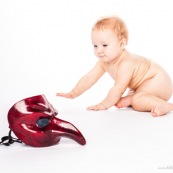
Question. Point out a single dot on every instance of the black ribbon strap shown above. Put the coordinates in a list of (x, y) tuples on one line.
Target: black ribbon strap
[(8, 140)]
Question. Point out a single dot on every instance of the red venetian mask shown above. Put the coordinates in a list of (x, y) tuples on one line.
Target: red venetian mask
[(33, 120)]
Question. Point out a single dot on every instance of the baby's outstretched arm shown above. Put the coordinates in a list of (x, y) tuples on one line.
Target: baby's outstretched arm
[(85, 82)]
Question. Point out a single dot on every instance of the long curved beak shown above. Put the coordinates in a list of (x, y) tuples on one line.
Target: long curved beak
[(67, 129)]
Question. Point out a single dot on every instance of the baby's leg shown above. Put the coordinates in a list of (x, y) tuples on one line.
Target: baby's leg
[(149, 103), (125, 101), (153, 95)]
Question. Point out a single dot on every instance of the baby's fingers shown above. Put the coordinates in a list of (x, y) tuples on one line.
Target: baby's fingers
[(92, 108), (97, 107), (61, 94), (66, 95)]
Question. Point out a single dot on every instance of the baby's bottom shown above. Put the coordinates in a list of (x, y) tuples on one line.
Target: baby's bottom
[(150, 97)]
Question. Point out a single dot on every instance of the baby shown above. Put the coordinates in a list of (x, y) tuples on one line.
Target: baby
[(150, 87)]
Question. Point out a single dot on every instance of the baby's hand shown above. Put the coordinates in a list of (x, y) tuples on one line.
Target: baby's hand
[(70, 95), (97, 107)]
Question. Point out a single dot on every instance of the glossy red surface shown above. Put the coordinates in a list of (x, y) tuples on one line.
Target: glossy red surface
[(33, 120)]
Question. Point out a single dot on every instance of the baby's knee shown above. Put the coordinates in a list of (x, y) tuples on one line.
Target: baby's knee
[(135, 101)]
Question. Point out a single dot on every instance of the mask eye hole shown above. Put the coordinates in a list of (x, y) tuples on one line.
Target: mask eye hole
[(42, 122)]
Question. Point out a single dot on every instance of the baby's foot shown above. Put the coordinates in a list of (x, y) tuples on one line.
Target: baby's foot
[(161, 109), (124, 102)]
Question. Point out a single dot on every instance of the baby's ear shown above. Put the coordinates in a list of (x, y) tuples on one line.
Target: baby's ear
[(123, 43)]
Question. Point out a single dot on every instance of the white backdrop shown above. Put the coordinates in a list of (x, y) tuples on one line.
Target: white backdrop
[(45, 48)]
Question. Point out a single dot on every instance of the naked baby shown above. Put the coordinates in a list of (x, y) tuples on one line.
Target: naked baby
[(150, 87)]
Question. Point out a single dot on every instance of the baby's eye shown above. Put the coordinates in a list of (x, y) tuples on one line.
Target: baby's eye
[(95, 45), (105, 45)]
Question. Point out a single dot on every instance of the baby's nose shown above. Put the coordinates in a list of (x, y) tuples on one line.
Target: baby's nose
[(99, 50)]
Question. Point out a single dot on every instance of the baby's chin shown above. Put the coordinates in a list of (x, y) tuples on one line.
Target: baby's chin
[(107, 60), (104, 59)]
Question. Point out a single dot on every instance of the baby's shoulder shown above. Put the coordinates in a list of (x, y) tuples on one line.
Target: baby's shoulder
[(129, 60), (137, 59)]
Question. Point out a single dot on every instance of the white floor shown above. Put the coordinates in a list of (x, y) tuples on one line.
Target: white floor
[(45, 48), (117, 140)]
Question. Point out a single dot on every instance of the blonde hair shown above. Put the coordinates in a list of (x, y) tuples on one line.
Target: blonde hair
[(114, 23)]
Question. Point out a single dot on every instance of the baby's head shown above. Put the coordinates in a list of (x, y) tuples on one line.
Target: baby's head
[(113, 23)]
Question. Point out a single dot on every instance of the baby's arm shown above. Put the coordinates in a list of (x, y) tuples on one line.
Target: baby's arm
[(111, 99), (85, 82), (123, 77)]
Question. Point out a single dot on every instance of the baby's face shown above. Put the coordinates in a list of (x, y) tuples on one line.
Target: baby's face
[(106, 44)]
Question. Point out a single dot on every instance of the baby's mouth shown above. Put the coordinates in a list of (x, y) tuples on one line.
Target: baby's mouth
[(101, 57)]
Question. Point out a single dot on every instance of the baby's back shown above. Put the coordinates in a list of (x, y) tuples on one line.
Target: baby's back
[(144, 69)]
